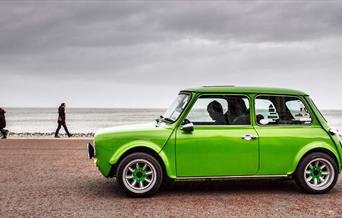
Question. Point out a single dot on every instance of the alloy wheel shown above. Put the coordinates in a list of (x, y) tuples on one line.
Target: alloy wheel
[(139, 176), (319, 174)]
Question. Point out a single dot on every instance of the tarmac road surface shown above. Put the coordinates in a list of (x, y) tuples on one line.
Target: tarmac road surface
[(54, 178)]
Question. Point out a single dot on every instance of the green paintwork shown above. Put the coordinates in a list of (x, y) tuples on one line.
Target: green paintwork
[(246, 90), (220, 146), (214, 151), (112, 143)]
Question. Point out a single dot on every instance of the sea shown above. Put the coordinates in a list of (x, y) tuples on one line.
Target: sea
[(79, 120), (89, 120)]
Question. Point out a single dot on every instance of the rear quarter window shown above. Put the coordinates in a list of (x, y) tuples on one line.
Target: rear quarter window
[(281, 110)]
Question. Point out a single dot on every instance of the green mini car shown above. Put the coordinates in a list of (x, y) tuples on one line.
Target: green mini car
[(224, 132)]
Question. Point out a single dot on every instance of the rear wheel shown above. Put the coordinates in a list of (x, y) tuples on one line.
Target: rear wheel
[(317, 173), (139, 175)]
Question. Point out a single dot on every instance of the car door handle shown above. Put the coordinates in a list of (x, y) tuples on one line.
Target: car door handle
[(249, 137)]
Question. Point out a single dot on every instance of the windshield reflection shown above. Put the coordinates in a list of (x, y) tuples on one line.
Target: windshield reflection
[(177, 107)]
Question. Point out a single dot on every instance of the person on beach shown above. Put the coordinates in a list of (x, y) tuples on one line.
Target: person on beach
[(61, 121), (3, 123)]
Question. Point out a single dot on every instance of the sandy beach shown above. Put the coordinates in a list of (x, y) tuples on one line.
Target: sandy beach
[(46, 177), (41, 135)]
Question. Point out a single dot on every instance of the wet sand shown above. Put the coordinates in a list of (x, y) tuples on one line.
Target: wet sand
[(54, 178)]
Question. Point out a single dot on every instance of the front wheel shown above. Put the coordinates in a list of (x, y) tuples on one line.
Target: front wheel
[(317, 173), (139, 175)]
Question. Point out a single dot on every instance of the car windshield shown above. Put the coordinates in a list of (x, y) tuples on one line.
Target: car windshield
[(177, 107)]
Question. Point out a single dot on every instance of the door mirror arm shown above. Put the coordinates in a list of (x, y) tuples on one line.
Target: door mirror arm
[(186, 121)]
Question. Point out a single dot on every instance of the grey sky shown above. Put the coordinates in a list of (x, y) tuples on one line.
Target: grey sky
[(141, 53)]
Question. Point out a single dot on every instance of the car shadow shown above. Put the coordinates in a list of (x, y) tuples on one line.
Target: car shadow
[(109, 188), (104, 188), (278, 186)]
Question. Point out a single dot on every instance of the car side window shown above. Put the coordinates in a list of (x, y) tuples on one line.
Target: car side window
[(281, 110), (220, 110)]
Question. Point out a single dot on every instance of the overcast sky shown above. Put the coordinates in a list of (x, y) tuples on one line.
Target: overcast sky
[(141, 53)]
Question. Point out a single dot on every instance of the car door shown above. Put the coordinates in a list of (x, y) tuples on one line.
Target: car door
[(222, 142), (284, 126)]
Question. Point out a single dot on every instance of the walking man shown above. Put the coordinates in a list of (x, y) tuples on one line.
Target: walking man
[(3, 123), (61, 121)]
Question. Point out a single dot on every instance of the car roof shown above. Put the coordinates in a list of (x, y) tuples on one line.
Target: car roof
[(245, 90)]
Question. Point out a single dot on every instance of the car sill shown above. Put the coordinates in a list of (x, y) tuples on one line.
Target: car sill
[(192, 178)]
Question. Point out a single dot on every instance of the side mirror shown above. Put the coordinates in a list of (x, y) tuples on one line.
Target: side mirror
[(189, 127)]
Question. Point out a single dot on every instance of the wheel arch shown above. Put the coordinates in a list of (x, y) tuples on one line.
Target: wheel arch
[(310, 149), (151, 150)]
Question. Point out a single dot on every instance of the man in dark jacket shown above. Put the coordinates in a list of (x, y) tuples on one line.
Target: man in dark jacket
[(215, 111), (3, 123), (61, 121)]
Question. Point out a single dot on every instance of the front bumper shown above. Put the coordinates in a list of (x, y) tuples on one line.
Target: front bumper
[(91, 151)]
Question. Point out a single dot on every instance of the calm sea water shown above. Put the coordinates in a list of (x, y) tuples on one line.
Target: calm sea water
[(79, 120), (88, 120)]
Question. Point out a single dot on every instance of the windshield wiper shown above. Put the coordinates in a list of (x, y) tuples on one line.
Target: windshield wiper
[(168, 119), (161, 118)]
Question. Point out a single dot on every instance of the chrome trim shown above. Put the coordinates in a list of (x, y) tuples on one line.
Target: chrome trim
[(231, 177), (188, 127), (249, 137)]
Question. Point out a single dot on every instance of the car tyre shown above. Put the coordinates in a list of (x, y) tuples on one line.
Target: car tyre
[(139, 175), (317, 173)]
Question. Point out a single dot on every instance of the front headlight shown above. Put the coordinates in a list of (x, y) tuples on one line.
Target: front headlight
[(94, 144)]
